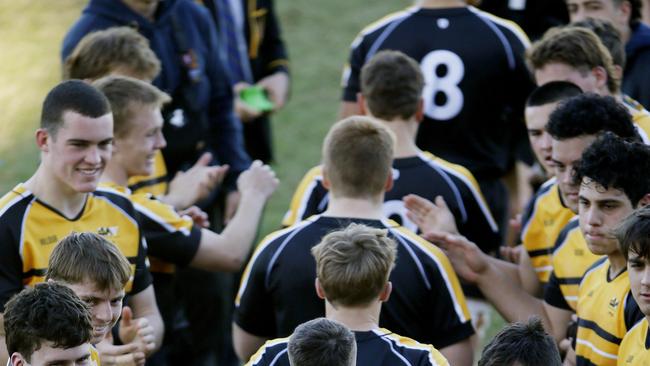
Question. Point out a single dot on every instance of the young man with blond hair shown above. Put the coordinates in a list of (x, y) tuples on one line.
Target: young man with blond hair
[(353, 267), (97, 272), (428, 304)]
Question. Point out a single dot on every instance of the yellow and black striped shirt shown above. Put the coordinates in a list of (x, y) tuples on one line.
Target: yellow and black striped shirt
[(30, 229), (635, 347), (156, 183), (606, 311), (571, 259), (542, 222)]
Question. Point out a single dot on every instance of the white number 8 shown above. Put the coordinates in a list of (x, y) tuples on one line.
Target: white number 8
[(446, 84)]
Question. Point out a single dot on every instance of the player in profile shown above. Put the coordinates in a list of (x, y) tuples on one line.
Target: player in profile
[(282, 269), (97, 272), (352, 270), (75, 140), (546, 214), (391, 93), (458, 70), (576, 54), (625, 16), (633, 235), (48, 325)]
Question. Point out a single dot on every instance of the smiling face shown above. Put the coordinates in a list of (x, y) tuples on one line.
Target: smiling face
[(76, 154), (135, 151), (105, 306), (566, 153), (540, 140), (600, 212), (47, 355)]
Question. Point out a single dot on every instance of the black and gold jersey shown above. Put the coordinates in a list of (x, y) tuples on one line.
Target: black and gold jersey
[(172, 238), (541, 224), (475, 86), (606, 311), (30, 229), (277, 292), (635, 347), (425, 175), (640, 116), (570, 260), (156, 183), (377, 347)]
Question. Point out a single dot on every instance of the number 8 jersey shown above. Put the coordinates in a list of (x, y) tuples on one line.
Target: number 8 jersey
[(476, 81)]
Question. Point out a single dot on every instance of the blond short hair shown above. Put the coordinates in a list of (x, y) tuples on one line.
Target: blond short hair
[(125, 93), (102, 52), (577, 47), (357, 157), (90, 257), (353, 264)]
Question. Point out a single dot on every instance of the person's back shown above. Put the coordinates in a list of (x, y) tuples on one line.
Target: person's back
[(428, 304), (352, 267)]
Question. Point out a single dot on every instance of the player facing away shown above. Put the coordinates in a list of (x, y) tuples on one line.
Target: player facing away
[(352, 270), (427, 305)]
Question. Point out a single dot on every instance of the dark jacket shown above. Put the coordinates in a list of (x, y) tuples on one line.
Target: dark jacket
[(266, 49), (200, 87), (636, 79)]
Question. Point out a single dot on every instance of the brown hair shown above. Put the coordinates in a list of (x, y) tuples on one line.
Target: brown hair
[(89, 256), (353, 264), (123, 94), (609, 35), (633, 234), (392, 84), (49, 312), (101, 52), (577, 47), (357, 156)]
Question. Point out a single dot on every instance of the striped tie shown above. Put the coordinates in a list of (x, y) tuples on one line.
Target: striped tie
[(230, 38)]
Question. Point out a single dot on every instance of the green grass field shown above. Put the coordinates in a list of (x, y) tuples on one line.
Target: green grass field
[(318, 35)]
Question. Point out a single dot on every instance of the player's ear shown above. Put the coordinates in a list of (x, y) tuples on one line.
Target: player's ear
[(644, 201), (389, 181), (384, 295), (43, 139), (319, 289), (419, 113), (363, 106), (601, 76), (326, 179), (16, 359)]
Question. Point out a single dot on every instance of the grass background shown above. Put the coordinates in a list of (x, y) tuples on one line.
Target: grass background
[(318, 34)]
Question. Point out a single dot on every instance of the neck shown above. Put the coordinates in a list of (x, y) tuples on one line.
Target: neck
[(361, 208), (116, 174), (361, 319), (48, 189), (405, 132), (438, 4), (616, 263)]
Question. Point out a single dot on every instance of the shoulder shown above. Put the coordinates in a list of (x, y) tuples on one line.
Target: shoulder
[(372, 29), (507, 26), (271, 350), (598, 265), (114, 197), (412, 350), (15, 202)]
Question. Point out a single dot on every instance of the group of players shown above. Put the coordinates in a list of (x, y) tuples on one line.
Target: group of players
[(419, 160)]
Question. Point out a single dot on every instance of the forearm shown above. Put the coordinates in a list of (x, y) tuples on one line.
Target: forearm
[(510, 299), (239, 234), (461, 353)]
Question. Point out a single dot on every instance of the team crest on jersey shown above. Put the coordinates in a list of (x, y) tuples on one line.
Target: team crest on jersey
[(613, 304), (579, 252), (629, 359), (107, 231), (52, 239)]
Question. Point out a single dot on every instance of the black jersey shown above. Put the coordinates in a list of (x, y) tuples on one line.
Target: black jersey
[(425, 175), (377, 347), (277, 288), (476, 81)]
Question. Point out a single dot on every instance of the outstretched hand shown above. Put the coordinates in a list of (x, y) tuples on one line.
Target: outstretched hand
[(468, 260), (429, 216)]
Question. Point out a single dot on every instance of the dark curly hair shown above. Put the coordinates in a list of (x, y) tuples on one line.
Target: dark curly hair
[(49, 312), (613, 162), (590, 114)]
